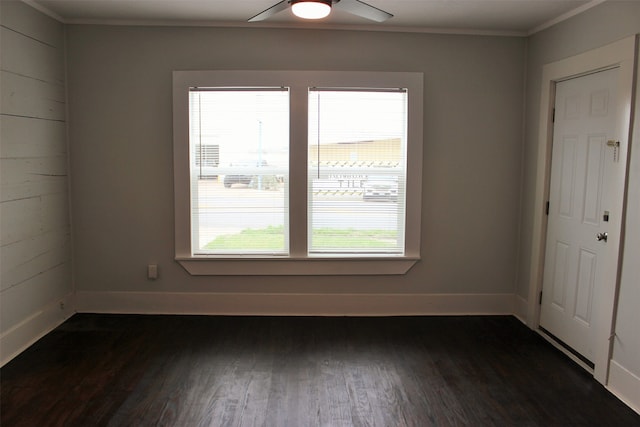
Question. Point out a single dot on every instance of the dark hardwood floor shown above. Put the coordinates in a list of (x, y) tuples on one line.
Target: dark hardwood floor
[(121, 370)]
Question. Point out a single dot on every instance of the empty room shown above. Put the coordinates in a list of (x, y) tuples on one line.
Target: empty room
[(320, 213)]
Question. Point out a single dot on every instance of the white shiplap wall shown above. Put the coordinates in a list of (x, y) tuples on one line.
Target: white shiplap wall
[(35, 256)]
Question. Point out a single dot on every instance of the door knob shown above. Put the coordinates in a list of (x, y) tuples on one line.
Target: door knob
[(601, 236)]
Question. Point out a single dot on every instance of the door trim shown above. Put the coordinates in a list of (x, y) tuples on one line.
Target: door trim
[(620, 54)]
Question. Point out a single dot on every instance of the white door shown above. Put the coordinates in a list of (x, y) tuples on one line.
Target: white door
[(584, 162)]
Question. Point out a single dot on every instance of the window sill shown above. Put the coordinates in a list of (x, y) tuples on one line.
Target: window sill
[(320, 266)]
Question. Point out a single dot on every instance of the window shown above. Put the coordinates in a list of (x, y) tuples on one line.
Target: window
[(297, 172), (243, 209), (357, 154)]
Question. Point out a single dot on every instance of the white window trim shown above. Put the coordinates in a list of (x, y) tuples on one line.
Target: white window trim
[(298, 262)]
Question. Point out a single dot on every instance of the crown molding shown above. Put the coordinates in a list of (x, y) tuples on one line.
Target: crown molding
[(45, 10), (565, 16), (295, 26)]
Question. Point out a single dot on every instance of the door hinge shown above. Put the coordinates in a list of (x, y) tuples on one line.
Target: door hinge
[(553, 116), (540, 299), (546, 209)]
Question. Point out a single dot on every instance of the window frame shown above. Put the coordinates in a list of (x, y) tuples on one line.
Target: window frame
[(299, 262)]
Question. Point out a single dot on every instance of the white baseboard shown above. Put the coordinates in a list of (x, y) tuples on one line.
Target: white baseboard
[(293, 304), (521, 308), (18, 338), (625, 385)]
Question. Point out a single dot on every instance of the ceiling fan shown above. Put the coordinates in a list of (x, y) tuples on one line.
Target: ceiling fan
[(316, 9)]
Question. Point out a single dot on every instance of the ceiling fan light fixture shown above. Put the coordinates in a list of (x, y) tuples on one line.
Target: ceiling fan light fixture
[(311, 9)]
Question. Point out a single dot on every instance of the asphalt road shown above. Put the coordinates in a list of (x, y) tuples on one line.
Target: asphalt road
[(239, 207)]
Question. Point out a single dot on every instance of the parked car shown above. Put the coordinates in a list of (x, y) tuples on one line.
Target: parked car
[(380, 188), (243, 178)]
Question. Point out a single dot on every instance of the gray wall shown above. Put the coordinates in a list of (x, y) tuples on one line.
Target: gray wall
[(606, 23), (121, 151), (35, 231)]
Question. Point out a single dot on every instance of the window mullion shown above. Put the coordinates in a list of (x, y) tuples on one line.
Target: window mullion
[(298, 171)]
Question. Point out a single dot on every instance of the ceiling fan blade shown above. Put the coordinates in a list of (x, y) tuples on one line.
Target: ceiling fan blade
[(267, 13), (364, 10)]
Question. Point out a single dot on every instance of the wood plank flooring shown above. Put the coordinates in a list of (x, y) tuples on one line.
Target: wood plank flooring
[(122, 370)]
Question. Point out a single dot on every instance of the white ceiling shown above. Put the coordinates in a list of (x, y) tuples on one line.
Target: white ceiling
[(517, 17)]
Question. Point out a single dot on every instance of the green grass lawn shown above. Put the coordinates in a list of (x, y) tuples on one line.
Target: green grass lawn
[(272, 238)]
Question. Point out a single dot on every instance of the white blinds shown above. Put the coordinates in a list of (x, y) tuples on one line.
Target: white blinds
[(357, 171), (239, 162)]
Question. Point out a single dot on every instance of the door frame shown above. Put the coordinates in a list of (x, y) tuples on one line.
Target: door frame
[(620, 54)]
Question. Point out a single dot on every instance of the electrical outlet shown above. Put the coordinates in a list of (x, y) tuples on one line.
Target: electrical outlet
[(61, 305), (152, 271)]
